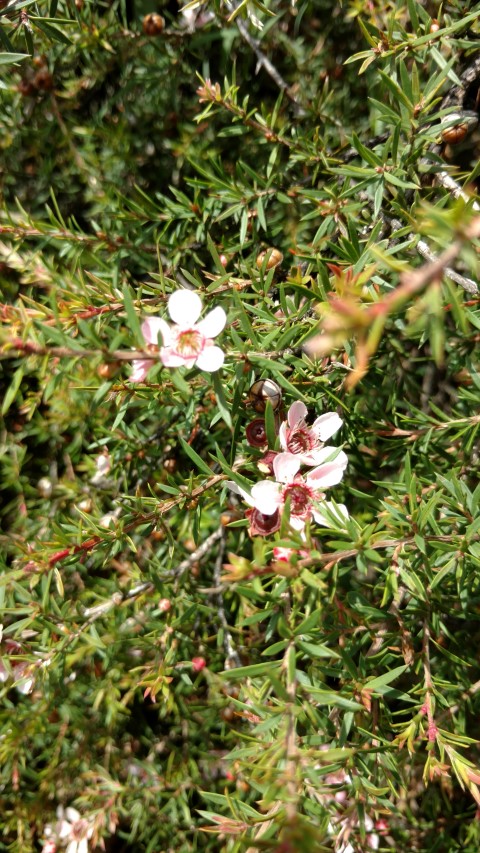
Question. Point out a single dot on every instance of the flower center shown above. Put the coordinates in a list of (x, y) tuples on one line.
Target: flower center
[(79, 829), (300, 440), (300, 496), (189, 343)]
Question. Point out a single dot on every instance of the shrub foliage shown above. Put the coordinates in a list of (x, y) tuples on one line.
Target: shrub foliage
[(311, 168)]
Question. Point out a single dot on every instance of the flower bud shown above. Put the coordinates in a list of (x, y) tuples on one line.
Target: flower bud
[(153, 24), (270, 257), (198, 664), (263, 390)]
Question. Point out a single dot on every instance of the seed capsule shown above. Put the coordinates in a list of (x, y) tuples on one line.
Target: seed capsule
[(273, 258), (153, 24), (457, 132), (263, 390)]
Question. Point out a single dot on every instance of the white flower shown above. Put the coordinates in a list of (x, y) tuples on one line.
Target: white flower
[(303, 441), (304, 494), (73, 830), (186, 342)]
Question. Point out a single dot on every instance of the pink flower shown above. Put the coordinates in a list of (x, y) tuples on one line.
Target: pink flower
[(284, 555), (186, 342), (305, 494), (303, 441)]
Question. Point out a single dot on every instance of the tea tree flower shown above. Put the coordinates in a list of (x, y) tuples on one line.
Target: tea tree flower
[(303, 441), (71, 830), (187, 342), (304, 495)]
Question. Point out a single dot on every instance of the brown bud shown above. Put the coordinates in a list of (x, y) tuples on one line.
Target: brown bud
[(153, 24), (270, 257), (170, 464), (454, 135), (43, 80), (108, 369), (227, 714), (263, 390)]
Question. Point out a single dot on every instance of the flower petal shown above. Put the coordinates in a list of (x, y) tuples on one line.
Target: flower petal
[(239, 491), (184, 307), (140, 368), (326, 425), (72, 815), (210, 359), (285, 467), (296, 413), (152, 326), (171, 359), (266, 496), (213, 323), (329, 474)]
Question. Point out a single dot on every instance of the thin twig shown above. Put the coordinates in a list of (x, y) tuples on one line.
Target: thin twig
[(232, 657)]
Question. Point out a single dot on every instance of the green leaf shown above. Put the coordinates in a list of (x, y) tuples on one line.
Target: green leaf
[(12, 58), (196, 459)]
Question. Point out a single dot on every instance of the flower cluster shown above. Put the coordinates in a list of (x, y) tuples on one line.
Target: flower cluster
[(187, 342), (304, 494), (71, 832)]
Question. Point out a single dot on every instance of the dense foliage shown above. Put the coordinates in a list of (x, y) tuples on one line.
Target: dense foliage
[(199, 651)]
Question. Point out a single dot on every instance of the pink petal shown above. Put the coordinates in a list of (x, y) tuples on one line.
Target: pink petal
[(297, 522), (210, 359), (339, 511), (152, 326), (184, 307), (140, 368), (213, 323), (239, 491), (285, 467), (266, 497), (326, 425), (328, 474), (327, 454), (282, 434), (171, 359), (297, 412)]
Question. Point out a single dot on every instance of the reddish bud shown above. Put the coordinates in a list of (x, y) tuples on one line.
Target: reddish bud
[(198, 664), (255, 432)]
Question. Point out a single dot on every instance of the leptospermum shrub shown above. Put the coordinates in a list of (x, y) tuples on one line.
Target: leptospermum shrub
[(240, 411)]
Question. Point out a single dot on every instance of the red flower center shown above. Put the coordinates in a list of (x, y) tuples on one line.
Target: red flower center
[(300, 497), (300, 440)]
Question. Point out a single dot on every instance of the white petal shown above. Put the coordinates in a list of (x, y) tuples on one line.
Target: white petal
[(140, 368), (72, 814), (152, 326), (297, 412), (170, 359), (282, 435), (184, 307), (297, 522), (266, 497), (82, 846), (211, 359), (328, 474), (326, 425), (285, 466), (213, 323), (239, 491)]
